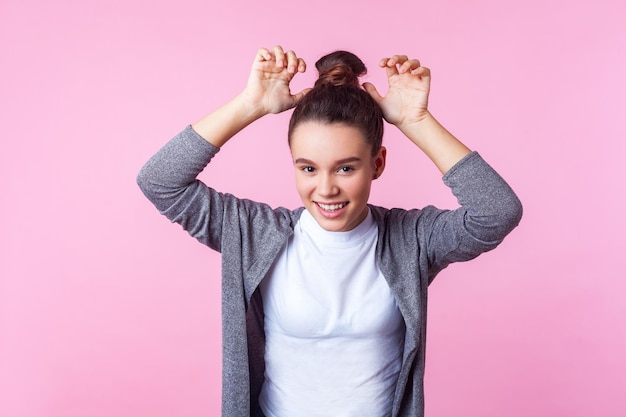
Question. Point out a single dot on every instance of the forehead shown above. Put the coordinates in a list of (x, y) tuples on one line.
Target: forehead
[(328, 141)]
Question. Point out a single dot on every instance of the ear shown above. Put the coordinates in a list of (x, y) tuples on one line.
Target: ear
[(379, 162)]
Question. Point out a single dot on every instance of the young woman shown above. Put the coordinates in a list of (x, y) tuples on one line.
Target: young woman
[(324, 306)]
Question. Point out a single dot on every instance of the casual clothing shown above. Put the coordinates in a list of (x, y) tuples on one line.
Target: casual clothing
[(333, 332), (412, 247)]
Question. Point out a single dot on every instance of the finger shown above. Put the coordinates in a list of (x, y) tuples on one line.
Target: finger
[(389, 67), (263, 54), (280, 56), (371, 89), (421, 72), (397, 60), (391, 70), (394, 65), (409, 65), (301, 65), (299, 96), (292, 62)]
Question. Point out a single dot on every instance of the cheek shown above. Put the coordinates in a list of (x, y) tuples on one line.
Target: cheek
[(360, 187), (304, 186)]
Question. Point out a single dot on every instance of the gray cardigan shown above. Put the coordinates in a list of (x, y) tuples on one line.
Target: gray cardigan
[(413, 246)]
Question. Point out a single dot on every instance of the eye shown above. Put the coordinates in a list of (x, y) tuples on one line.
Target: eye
[(307, 169), (345, 170)]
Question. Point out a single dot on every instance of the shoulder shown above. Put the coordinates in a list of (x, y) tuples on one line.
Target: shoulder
[(258, 215), (398, 217), (405, 230)]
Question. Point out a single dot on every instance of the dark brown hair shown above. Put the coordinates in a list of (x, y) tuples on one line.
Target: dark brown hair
[(337, 97)]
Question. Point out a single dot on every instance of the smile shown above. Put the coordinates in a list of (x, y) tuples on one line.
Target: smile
[(331, 207)]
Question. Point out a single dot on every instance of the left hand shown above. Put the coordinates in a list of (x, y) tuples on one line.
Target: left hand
[(406, 101), (268, 89)]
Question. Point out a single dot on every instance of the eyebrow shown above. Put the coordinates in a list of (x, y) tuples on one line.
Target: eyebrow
[(339, 162)]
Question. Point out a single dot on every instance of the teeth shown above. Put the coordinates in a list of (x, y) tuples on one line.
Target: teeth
[(331, 207)]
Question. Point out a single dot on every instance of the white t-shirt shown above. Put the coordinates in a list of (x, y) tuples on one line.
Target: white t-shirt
[(334, 334)]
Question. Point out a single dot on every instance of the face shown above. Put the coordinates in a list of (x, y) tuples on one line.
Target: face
[(334, 172)]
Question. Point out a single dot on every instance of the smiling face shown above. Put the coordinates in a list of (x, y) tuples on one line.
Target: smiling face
[(334, 172)]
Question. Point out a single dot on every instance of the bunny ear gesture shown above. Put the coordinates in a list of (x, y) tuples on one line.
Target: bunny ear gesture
[(406, 100), (268, 83), (406, 106), (267, 91)]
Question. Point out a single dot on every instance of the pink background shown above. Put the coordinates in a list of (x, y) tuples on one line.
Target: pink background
[(106, 309)]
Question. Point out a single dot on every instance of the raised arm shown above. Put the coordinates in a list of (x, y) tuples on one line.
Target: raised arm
[(406, 106), (267, 91), (489, 207), (169, 178)]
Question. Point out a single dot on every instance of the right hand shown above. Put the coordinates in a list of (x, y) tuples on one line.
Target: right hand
[(268, 84), (406, 101)]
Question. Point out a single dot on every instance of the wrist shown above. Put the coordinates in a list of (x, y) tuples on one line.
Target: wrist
[(415, 126), (248, 107)]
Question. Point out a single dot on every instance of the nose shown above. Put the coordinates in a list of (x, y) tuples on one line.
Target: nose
[(326, 187)]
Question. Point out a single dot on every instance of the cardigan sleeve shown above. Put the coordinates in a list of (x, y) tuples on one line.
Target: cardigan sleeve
[(169, 181), (489, 210), (218, 220)]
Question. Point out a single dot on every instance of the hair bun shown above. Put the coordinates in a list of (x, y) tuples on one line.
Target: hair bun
[(339, 68)]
